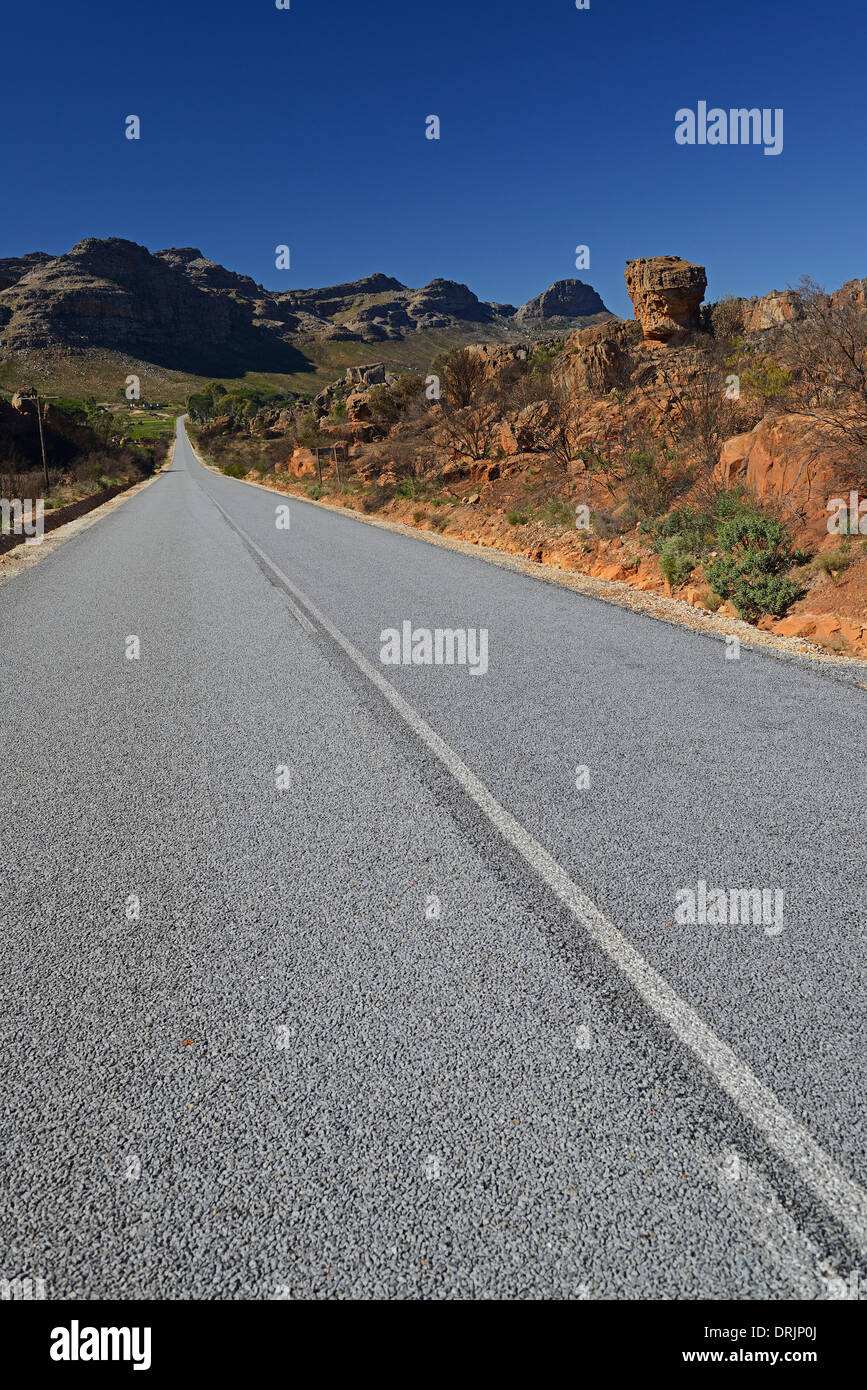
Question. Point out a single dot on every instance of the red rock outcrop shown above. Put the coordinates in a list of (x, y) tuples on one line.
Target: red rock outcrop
[(778, 459), (595, 359), (772, 310), (666, 294)]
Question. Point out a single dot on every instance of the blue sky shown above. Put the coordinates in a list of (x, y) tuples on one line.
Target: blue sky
[(307, 127)]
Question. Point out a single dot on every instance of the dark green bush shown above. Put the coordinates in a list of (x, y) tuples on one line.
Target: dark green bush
[(699, 527), (756, 552)]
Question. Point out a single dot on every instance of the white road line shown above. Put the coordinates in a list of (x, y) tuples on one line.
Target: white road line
[(756, 1206), (781, 1130)]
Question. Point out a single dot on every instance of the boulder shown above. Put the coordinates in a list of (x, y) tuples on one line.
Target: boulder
[(302, 463), (596, 359), (527, 430), (666, 294), (358, 405), (508, 442), (24, 402), (371, 375), (796, 625), (532, 424), (778, 459)]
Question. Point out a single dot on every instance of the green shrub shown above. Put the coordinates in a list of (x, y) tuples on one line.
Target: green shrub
[(314, 491), (517, 518), (756, 551), (760, 376), (233, 469), (415, 489), (650, 481), (676, 560), (699, 527)]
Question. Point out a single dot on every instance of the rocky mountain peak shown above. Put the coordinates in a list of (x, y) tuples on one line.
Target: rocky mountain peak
[(570, 299)]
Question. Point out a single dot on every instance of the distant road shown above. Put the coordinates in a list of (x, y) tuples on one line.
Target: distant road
[(324, 978)]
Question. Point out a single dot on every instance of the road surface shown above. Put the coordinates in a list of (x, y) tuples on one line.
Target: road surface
[(326, 978)]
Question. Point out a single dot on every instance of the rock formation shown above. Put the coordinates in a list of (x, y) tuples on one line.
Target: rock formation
[(780, 458), (666, 294), (596, 359)]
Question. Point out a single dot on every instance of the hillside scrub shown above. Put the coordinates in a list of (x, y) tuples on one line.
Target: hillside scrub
[(531, 435), (825, 350)]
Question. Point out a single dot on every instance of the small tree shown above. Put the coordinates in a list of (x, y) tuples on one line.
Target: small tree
[(309, 434), (727, 318), (563, 430), (462, 377)]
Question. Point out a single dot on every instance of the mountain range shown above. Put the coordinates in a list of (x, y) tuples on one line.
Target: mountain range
[(180, 310)]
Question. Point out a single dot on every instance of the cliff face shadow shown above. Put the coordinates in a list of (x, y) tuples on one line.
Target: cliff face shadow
[(243, 354)]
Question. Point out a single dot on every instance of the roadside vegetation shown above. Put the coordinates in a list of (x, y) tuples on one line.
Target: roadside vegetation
[(591, 450), (88, 446)]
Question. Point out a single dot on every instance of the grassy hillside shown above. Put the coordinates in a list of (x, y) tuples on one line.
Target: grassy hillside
[(103, 374)]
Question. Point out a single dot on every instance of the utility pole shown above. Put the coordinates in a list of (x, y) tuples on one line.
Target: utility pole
[(31, 394), (42, 444)]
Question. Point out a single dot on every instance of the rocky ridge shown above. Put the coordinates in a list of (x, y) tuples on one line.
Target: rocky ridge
[(178, 308)]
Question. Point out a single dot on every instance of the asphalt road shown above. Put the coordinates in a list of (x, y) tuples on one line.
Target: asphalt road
[(323, 978)]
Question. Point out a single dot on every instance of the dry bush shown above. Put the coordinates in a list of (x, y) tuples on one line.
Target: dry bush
[(468, 432), (404, 400), (704, 416), (727, 318), (462, 377), (564, 427), (826, 350)]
